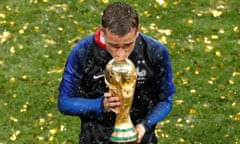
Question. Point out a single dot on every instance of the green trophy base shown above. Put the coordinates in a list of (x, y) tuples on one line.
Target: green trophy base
[(123, 135)]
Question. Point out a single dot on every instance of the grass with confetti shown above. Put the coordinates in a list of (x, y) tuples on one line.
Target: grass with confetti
[(203, 38)]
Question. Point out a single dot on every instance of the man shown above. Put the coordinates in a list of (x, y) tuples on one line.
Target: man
[(83, 92)]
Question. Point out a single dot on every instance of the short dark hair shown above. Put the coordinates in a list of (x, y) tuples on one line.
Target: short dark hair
[(119, 18)]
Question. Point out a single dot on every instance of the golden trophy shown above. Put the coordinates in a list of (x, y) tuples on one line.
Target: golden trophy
[(120, 76)]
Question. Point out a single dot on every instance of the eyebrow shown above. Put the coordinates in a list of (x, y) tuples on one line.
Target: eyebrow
[(120, 44)]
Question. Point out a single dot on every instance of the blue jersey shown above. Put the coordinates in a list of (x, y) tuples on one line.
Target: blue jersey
[(82, 87)]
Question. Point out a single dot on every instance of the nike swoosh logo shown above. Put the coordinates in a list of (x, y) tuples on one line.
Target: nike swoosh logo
[(98, 76)]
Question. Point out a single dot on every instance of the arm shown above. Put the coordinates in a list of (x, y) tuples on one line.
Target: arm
[(71, 100), (160, 111)]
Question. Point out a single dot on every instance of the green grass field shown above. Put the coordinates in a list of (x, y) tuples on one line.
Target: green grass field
[(203, 38)]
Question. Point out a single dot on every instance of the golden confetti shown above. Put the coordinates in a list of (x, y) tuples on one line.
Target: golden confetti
[(13, 137), (53, 131), (197, 70), (181, 140), (12, 79), (58, 70), (218, 53), (190, 21), (215, 13), (193, 91), (13, 119), (60, 52), (51, 138), (24, 77), (179, 102), (42, 121), (48, 41), (235, 29), (192, 111), (162, 3), (40, 138), (50, 115), (60, 29), (12, 50), (236, 74), (236, 116), (208, 48), (231, 82)]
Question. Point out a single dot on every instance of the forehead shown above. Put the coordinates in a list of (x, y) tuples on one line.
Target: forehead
[(116, 39)]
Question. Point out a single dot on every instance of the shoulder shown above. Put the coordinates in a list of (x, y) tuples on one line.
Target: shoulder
[(155, 49)]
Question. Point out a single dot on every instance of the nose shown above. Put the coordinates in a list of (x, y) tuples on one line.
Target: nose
[(121, 53)]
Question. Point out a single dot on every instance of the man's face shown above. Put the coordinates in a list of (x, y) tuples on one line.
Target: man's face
[(120, 46)]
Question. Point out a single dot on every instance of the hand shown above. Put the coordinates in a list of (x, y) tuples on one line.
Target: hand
[(140, 129), (111, 102)]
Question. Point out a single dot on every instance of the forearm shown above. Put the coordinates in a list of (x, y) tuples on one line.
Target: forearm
[(160, 111), (79, 106)]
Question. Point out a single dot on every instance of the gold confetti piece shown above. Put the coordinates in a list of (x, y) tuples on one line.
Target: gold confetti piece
[(181, 140), (62, 128), (179, 120), (2, 15), (221, 31), (234, 104), (48, 41), (58, 70), (231, 82), (235, 29), (14, 135), (12, 23), (21, 31), (179, 102), (14, 95), (60, 52), (190, 21), (12, 50), (36, 28), (236, 74), (24, 77), (214, 37), (207, 41), (197, 70), (162, 3), (51, 138), (40, 138), (12, 79), (50, 115), (179, 125), (237, 116), (13, 119), (193, 91), (210, 82), (208, 48), (163, 39), (215, 13), (60, 29), (41, 121), (165, 31), (238, 42), (53, 131), (146, 13), (218, 53), (192, 111)]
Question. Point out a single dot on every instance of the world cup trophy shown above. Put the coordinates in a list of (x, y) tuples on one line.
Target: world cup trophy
[(120, 76)]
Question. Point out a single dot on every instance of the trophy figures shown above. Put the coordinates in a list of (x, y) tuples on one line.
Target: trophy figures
[(120, 76)]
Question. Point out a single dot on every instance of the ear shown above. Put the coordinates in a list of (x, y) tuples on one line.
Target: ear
[(138, 28)]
